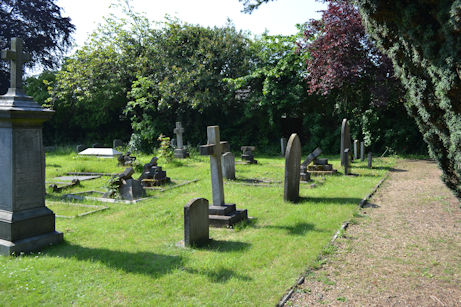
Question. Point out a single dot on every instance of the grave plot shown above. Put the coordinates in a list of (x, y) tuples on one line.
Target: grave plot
[(72, 210)]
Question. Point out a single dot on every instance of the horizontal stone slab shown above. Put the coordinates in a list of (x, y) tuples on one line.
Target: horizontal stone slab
[(221, 210)]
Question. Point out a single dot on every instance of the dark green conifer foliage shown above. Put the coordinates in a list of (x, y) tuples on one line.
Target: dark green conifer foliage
[(423, 39)]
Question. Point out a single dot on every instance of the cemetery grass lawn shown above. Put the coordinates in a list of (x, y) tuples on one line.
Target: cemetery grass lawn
[(128, 255)]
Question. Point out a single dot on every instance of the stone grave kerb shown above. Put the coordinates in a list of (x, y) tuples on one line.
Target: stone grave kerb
[(214, 149), (179, 130)]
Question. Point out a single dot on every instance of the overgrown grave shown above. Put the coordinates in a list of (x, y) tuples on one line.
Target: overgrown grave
[(220, 213)]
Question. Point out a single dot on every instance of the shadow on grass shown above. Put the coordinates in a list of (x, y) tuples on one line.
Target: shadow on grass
[(220, 275), (146, 263), (224, 246), (387, 168), (369, 205), (298, 229), (329, 200)]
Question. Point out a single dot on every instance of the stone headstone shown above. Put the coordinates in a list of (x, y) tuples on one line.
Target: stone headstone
[(345, 139), (196, 223), (247, 154), (346, 162), (220, 213), (26, 224), (228, 165), (292, 167), (283, 145), (312, 156), (370, 160), (117, 143), (362, 151), (81, 148), (356, 149), (153, 175), (131, 189), (126, 159), (180, 152)]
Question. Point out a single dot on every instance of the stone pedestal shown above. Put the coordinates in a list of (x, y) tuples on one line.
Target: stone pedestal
[(181, 153), (25, 223)]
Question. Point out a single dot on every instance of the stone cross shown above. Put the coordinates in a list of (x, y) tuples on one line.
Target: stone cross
[(17, 59), (214, 149), (179, 130)]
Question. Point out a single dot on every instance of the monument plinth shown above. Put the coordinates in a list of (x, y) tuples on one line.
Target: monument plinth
[(26, 224)]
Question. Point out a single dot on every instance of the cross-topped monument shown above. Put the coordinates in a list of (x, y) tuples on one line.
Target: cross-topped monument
[(220, 214), (26, 224), (17, 60), (180, 152)]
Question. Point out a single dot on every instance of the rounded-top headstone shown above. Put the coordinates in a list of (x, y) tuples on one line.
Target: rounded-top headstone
[(292, 169)]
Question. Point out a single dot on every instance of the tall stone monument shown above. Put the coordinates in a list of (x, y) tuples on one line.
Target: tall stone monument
[(345, 139), (292, 167), (26, 224), (220, 213), (180, 152), (356, 149)]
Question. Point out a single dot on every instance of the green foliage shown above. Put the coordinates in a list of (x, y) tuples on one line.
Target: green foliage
[(165, 151), (423, 40)]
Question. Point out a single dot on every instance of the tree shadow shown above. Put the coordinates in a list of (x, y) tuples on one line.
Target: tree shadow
[(298, 229), (387, 168), (329, 200), (145, 263), (224, 246), (255, 180), (221, 275), (370, 205)]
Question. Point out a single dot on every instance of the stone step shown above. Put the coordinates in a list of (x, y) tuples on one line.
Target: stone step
[(228, 220), (221, 210)]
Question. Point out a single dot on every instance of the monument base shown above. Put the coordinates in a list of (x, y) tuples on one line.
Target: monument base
[(181, 153), (226, 215), (30, 244)]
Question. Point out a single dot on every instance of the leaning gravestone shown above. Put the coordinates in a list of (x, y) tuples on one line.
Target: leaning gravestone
[(228, 165), (362, 151), (345, 139), (292, 167), (196, 223), (26, 224), (180, 151), (128, 188), (220, 213)]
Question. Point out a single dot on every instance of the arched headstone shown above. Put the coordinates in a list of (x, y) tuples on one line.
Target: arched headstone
[(345, 139), (196, 223), (292, 169), (228, 165)]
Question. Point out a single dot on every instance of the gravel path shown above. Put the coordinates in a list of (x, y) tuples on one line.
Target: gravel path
[(404, 249)]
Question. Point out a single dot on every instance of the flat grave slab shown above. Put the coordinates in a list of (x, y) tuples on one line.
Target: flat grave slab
[(100, 152), (79, 177), (69, 209), (98, 196)]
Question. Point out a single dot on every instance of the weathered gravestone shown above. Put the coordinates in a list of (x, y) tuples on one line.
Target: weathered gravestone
[(196, 222), (370, 160), (128, 188), (362, 151), (283, 145), (356, 149), (153, 175), (117, 143), (180, 152), (247, 154), (345, 139), (306, 176), (126, 159), (346, 162), (292, 167), (26, 224), (228, 165), (220, 213)]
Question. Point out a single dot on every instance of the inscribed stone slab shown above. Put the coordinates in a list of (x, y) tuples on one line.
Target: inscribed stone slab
[(196, 222)]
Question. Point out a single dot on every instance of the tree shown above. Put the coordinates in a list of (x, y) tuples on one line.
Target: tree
[(46, 33), (423, 40)]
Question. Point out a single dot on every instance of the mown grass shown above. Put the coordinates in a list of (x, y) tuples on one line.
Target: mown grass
[(128, 255)]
